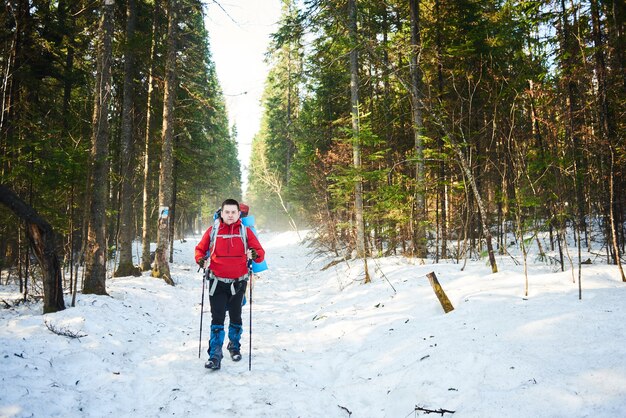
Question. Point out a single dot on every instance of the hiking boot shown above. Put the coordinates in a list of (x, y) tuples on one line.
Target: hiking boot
[(235, 354), (213, 364)]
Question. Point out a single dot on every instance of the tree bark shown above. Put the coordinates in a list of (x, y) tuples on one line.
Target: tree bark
[(173, 211), (41, 238), (419, 230), (96, 254), (126, 228), (146, 260), (616, 252), (161, 266), (569, 50), (356, 144), (442, 181)]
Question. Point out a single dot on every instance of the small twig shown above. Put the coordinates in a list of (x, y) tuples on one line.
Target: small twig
[(346, 409), (313, 259), (433, 411), (333, 263), (65, 332), (517, 263), (225, 12), (385, 276)]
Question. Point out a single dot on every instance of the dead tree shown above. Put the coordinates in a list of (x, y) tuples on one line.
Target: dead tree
[(41, 238)]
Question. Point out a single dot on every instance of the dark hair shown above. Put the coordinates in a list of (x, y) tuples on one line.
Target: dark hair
[(230, 202)]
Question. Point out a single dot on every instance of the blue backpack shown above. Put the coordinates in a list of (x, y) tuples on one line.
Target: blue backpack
[(248, 222)]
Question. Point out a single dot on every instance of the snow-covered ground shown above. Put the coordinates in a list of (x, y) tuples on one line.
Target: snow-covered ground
[(325, 345)]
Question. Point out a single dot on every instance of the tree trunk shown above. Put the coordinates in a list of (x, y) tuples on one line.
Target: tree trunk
[(161, 266), (96, 254), (607, 130), (442, 181), (616, 38), (479, 202), (65, 9), (12, 106), (274, 183), (41, 238), (616, 252), (173, 211), (419, 230), (356, 144), (126, 228), (145, 227), (570, 52), (604, 111)]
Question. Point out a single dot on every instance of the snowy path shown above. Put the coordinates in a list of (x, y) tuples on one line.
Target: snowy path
[(325, 346)]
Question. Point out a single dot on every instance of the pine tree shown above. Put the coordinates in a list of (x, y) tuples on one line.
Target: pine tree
[(161, 266), (96, 253)]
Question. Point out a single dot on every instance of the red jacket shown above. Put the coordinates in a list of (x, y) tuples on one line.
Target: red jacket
[(229, 259)]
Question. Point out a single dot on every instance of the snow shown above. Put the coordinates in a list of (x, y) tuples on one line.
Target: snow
[(324, 344)]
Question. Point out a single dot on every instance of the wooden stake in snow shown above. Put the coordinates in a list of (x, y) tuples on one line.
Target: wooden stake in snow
[(441, 295)]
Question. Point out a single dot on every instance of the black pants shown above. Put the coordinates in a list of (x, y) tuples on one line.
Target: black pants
[(222, 297)]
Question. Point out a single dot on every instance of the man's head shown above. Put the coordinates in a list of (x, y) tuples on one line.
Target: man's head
[(230, 211)]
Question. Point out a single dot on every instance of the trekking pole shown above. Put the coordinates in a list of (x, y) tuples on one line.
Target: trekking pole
[(250, 281), (201, 315)]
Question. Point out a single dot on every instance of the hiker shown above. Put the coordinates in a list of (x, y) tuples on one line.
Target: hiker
[(226, 254)]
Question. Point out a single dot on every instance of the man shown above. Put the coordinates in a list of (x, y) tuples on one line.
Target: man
[(228, 274)]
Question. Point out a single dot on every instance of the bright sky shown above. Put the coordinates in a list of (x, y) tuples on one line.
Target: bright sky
[(239, 37)]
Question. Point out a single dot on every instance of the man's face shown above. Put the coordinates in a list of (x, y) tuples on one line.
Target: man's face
[(230, 214)]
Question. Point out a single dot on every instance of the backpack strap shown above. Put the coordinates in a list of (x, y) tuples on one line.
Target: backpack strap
[(216, 227), (243, 231), (244, 237)]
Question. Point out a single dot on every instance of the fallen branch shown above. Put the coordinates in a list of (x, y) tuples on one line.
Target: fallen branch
[(65, 332), (16, 302), (433, 411), (345, 409), (385, 276), (333, 263)]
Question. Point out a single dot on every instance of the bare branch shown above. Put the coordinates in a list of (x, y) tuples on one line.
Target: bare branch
[(65, 332), (433, 411), (225, 12)]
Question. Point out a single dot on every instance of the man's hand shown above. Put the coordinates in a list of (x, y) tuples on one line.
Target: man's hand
[(201, 262), (252, 254)]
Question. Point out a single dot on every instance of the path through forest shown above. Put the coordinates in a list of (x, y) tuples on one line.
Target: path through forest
[(325, 345)]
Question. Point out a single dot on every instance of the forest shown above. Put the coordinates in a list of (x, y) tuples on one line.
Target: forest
[(111, 110), (433, 129), (442, 129)]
